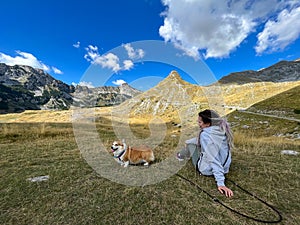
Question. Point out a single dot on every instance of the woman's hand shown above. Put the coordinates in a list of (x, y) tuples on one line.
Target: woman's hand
[(226, 191)]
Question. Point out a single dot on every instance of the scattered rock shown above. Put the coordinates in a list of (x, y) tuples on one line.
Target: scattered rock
[(289, 152), (39, 178)]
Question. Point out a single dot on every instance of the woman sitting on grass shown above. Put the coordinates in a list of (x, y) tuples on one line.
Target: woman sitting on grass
[(210, 151)]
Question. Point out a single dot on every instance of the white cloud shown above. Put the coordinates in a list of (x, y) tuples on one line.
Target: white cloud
[(76, 45), (109, 60), (119, 82), (133, 53), (84, 84), (93, 48), (112, 61), (56, 71), (25, 58), (279, 33), (128, 64), (213, 27), (92, 53)]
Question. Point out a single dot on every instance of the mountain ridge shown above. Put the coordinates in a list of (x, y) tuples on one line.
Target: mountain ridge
[(282, 71), (26, 88), (103, 96), (176, 99), (23, 87)]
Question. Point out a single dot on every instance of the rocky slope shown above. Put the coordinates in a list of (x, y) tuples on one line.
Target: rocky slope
[(103, 96), (282, 71), (24, 88), (176, 100)]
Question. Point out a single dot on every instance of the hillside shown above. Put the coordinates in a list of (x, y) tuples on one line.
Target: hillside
[(282, 71), (103, 96), (23, 87), (176, 100), (26, 88), (169, 96), (285, 104), (277, 116), (245, 95)]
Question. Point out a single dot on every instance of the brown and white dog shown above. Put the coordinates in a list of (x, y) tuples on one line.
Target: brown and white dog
[(125, 154)]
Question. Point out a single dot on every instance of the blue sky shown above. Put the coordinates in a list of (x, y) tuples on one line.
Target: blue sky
[(68, 38)]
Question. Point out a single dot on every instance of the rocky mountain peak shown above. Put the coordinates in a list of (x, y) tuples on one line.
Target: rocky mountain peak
[(167, 97), (173, 78), (174, 75), (126, 89)]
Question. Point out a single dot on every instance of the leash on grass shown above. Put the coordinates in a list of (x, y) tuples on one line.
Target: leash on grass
[(233, 210)]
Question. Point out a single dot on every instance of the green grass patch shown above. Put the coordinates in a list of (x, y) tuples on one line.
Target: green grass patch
[(76, 194), (284, 104)]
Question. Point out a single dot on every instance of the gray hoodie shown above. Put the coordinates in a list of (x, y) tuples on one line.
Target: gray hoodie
[(215, 156)]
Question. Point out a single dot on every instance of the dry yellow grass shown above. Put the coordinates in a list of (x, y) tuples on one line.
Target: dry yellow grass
[(248, 94), (49, 116)]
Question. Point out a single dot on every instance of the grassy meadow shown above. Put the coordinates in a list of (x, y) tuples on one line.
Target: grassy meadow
[(76, 194)]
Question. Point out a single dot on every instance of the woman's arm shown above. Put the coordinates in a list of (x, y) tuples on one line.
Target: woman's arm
[(192, 141)]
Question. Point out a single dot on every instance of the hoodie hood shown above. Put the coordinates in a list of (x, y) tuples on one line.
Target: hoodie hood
[(215, 134), (214, 130)]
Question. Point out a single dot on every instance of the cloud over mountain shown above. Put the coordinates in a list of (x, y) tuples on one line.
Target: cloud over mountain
[(25, 58), (119, 82)]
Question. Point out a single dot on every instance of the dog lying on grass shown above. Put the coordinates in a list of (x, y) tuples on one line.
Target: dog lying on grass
[(125, 154)]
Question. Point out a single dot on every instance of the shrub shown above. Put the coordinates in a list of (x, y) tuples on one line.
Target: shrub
[(297, 111)]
